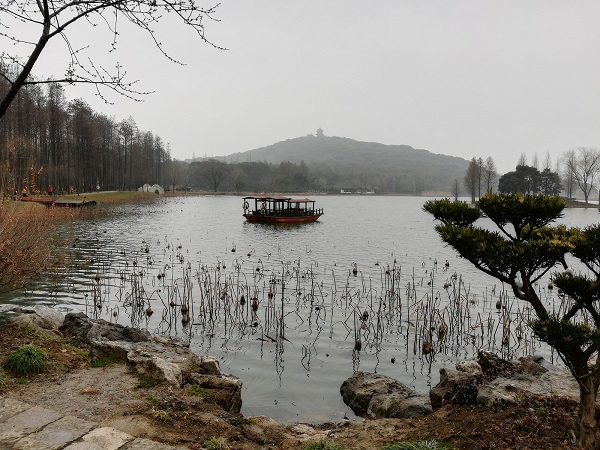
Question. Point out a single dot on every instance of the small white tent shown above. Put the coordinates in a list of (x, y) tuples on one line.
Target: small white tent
[(156, 188)]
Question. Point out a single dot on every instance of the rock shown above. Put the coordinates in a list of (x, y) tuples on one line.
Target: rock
[(225, 390), (456, 387), (80, 325), (158, 358), (534, 365), (492, 365), (306, 433), (469, 366), (44, 316), (209, 366), (552, 383), (397, 405), (37, 315), (502, 382), (378, 396), (154, 367)]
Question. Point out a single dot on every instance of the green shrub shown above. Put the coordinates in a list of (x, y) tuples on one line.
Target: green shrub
[(420, 445), (27, 359), (322, 444)]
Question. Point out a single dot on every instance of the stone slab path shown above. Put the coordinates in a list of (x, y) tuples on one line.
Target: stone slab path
[(28, 427)]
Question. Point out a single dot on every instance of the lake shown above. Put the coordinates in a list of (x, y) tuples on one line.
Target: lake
[(314, 321)]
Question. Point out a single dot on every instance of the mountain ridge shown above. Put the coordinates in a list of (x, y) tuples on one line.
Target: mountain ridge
[(267, 153), (392, 168)]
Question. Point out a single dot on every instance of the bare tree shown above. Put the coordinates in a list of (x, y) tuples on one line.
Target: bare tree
[(471, 179), (480, 175), (490, 175), (522, 160), (54, 18), (547, 162), (569, 180), (585, 167), (535, 163), (212, 170), (178, 175), (456, 189)]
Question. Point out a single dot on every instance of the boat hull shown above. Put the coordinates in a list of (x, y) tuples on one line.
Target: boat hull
[(261, 218)]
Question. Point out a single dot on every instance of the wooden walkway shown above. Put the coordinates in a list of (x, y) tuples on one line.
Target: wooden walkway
[(49, 201)]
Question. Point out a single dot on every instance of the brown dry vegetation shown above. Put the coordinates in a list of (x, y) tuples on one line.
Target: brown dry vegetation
[(26, 243), (28, 239)]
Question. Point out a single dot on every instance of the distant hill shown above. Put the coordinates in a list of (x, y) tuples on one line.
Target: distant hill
[(389, 168)]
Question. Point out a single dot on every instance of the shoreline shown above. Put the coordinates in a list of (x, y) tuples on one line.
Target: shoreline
[(112, 395)]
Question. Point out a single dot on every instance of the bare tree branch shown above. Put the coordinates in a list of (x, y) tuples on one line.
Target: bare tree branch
[(54, 17)]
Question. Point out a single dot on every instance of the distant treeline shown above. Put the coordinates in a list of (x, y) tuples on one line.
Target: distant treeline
[(68, 145), (215, 175), (72, 147), (328, 164)]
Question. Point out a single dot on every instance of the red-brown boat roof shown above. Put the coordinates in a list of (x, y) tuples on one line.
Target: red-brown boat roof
[(278, 198), (301, 200), (267, 197)]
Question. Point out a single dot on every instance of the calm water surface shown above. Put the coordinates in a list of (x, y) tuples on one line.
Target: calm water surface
[(296, 349)]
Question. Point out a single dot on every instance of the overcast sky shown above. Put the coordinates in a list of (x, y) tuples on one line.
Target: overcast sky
[(465, 78)]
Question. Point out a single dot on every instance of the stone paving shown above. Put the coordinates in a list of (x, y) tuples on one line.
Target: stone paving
[(28, 427)]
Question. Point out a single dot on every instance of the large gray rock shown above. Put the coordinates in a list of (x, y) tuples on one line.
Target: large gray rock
[(553, 382), (158, 358), (502, 382), (38, 315), (78, 324), (378, 396), (455, 387)]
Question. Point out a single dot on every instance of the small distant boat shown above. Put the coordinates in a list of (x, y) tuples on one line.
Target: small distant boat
[(280, 209)]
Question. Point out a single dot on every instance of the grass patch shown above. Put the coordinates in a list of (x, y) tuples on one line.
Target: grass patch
[(21, 380), (161, 415), (145, 383), (104, 361), (418, 445), (27, 360), (322, 444), (216, 443), (3, 380), (79, 353), (194, 390), (4, 319)]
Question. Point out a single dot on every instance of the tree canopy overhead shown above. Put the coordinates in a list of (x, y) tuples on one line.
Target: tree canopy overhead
[(27, 26)]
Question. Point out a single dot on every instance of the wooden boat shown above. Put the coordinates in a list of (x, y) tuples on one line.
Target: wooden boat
[(280, 209)]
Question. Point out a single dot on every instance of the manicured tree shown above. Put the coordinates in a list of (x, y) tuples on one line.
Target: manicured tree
[(522, 249)]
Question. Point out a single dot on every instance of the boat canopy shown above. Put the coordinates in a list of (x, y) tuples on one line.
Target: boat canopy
[(279, 209), (259, 198), (300, 200)]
